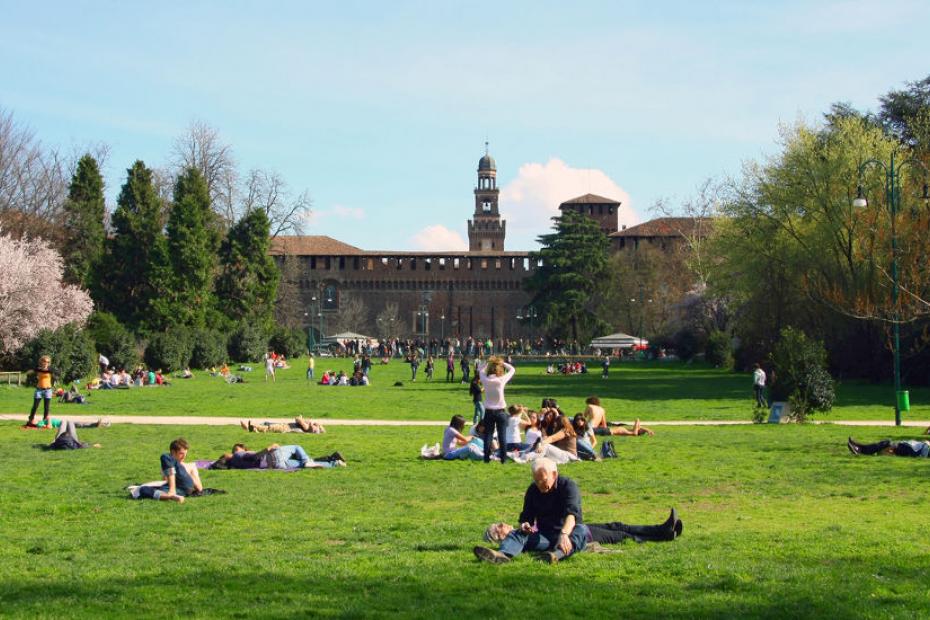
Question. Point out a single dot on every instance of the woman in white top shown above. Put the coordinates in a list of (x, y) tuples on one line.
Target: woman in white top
[(455, 445), (494, 376)]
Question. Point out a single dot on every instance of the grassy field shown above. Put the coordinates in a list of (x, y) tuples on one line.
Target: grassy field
[(651, 391), (779, 522)]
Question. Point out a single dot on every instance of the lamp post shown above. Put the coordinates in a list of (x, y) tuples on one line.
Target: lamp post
[(528, 313), (892, 172), (442, 329), (642, 312)]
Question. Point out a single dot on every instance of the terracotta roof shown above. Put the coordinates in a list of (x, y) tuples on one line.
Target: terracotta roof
[(591, 199), (667, 227), (309, 245)]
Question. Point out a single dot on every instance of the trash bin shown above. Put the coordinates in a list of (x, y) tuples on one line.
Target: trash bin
[(904, 400)]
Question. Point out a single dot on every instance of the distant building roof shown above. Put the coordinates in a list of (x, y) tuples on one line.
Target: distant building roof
[(667, 227), (591, 199), (304, 245)]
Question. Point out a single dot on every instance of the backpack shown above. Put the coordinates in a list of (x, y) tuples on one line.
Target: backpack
[(607, 450)]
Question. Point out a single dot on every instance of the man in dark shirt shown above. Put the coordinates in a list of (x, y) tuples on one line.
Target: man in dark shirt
[(553, 504), (181, 479)]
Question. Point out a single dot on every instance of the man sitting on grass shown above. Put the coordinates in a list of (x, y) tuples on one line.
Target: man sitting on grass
[(608, 533), (553, 504), (181, 479), (597, 420)]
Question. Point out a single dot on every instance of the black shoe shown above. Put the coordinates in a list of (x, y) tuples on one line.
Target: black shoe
[(490, 555), (679, 528), (853, 447), (337, 456), (670, 524)]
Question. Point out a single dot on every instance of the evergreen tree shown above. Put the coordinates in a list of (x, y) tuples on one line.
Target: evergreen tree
[(191, 251), (136, 263), (569, 288), (248, 282), (83, 224)]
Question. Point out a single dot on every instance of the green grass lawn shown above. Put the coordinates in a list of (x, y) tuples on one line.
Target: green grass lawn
[(651, 391), (780, 522)]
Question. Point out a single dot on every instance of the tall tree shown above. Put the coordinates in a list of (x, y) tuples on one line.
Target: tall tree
[(901, 108), (247, 285), (83, 223), (135, 268), (192, 247), (569, 288)]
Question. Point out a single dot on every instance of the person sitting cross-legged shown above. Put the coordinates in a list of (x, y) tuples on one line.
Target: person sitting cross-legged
[(553, 504)]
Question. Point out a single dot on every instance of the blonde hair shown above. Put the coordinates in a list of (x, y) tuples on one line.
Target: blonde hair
[(495, 366), (45, 359)]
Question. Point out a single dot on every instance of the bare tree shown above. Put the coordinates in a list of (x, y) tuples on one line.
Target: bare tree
[(388, 321), (353, 315), (201, 147), (268, 191), (695, 226)]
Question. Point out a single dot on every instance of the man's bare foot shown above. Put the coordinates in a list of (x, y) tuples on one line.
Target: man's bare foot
[(244, 426)]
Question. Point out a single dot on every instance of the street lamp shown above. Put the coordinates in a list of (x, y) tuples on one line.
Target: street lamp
[(529, 314), (893, 201), (442, 329), (642, 312)]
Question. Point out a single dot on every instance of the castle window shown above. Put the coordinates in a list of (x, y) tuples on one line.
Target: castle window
[(455, 263), (355, 263), (342, 262), (442, 264), (371, 264), (484, 263), (610, 210), (313, 262), (400, 263), (329, 263), (413, 264), (497, 263), (526, 264), (384, 261)]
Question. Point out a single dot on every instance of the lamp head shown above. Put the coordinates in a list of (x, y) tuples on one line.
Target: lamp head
[(859, 202)]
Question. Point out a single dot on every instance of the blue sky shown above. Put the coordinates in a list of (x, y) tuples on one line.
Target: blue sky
[(381, 109)]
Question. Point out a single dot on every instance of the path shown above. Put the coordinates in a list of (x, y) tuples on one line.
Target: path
[(222, 421)]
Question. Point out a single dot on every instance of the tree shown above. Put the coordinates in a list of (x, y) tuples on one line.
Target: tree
[(269, 192), (192, 250), (352, 315), (85, 211), (33, 296), (136, 270), (569, 286), (388, 321), (247, 285), (289, 310), (203, 149), (900, 108)]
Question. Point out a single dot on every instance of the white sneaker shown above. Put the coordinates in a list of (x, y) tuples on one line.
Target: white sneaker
[(134, 490)]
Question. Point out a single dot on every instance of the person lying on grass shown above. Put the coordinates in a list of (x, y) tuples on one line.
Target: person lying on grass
[(181, 479), (58, 423), (597, 419), (553, 504), (67, 439), (299, 425), (276, 457), (610, 533), (886, 447)]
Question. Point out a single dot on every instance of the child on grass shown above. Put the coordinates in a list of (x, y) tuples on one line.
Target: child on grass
[(45, 375)]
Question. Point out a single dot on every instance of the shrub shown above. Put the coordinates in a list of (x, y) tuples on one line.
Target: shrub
[(289, 341), (689, 343), (71, 349), (169, 350), (113, 340), (208, 348), (801, 375), (248, 343), (718, 351)]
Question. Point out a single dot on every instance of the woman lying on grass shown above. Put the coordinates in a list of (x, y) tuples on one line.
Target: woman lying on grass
[(299, 425), (886, 447), (66, 438)]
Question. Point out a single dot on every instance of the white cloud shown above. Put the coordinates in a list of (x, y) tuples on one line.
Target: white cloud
[(438, 238), (335, 213), (534, 196)]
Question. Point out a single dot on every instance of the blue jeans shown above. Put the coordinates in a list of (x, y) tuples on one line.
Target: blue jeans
[(309, 373), (467, 452), (585, 447), (479, 412), (291, 457), (517, 542), (495, 418)]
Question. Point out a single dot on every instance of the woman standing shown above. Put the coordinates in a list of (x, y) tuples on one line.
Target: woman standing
[(494, 377)]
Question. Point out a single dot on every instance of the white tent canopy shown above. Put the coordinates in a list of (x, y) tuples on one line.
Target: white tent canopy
[(618, 341), (342, 337)]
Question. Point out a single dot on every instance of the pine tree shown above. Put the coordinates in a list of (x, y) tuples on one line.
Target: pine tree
[(84, 232), (192, 250), (135, 272), (248, 282), (569, 288)]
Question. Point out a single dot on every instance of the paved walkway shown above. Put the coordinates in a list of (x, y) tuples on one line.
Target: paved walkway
[(222, 421)]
